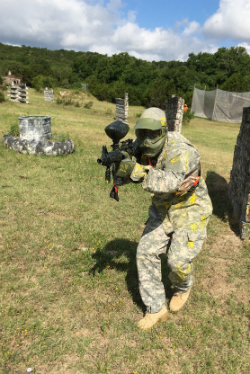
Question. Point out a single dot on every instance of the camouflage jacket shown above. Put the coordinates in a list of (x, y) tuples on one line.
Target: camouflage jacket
[(177, 207)]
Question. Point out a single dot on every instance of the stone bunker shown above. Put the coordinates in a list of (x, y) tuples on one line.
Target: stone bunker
[(239, 185), (36, 138)]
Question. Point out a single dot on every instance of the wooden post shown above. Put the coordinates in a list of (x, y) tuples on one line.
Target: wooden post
[(214, 104)]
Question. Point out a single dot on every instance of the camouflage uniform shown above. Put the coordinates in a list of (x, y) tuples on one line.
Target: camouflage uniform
[(174, 212)]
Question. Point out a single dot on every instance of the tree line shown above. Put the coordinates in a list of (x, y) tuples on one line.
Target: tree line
[(147, 83)]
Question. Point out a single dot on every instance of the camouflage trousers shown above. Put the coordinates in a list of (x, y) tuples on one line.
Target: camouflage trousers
[(153, 243)]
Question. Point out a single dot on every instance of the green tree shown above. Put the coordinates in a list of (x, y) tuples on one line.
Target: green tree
[(97, 88), (37, 82), (237, 83), (116, 90), (159, 92)]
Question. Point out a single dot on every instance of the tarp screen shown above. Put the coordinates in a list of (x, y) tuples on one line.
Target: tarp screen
[(219, 105)]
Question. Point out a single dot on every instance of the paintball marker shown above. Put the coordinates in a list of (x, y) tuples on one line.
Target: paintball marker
[(116, 131)]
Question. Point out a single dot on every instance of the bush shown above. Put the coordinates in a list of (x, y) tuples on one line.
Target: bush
[(88, 105), (187, 116), (65, 83), (37, 82), (14, 130), (108, 111), (2, 98), (59, 100), (68, 102), (77, 104)]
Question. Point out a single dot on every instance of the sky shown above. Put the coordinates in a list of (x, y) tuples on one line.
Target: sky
[(147, 29)]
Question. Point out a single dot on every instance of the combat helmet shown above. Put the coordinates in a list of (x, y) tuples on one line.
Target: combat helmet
[(151, 131)]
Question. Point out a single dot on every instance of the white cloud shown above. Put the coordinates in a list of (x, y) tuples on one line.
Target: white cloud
[(230, 21), (192, 28), (187, 28), (156, 44), (132, 15), (245, 45), (90, 25)]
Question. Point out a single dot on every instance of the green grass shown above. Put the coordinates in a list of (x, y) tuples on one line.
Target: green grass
[(69, 292)]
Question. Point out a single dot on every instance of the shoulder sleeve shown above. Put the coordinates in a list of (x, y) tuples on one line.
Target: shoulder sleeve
[(179, 162)]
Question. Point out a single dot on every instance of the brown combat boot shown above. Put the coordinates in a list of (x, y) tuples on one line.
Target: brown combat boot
[(178, 300), (152, 319)]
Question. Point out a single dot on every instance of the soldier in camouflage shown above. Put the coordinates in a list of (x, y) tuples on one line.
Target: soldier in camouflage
[(168, 168)]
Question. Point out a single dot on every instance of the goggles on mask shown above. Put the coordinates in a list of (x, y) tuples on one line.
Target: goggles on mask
[(153, 135)]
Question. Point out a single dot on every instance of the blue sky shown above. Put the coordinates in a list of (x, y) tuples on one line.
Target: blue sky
[(150, 30), (165, 13)]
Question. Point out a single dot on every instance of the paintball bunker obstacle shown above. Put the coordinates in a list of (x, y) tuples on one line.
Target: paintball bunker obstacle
[(35, 127), (239, 185), (35, 132), (48, 94), (174, 113), (122, 109), (18, 93)]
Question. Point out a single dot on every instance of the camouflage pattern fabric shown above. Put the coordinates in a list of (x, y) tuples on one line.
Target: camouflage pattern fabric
[(185, 245), (174, 211), (139, 172), (177, 208)]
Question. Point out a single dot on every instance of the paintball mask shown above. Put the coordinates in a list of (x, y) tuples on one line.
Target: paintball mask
[(151, 131)]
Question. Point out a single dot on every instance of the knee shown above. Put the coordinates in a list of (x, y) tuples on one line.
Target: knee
[(176, 263), (183, 269)]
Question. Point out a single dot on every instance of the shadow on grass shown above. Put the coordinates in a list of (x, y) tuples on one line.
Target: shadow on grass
[(112, 256), (219, 194)]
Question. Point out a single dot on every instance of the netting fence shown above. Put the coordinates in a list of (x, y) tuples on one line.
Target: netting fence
[(219, 105)]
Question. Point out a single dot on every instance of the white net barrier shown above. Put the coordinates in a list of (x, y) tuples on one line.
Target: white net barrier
[(219, 105)]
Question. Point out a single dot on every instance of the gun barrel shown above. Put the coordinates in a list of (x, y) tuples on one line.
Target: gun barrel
[(110, 158), (100, 161)]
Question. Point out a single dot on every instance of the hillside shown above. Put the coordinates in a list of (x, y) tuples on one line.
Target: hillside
[(147, 83)]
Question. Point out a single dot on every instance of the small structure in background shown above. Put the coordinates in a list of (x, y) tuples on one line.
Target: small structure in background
[(18, 93), (239, 185), (85, 87), (219, 105), (35, 134), (49, 94), (11, 79), (122, 109), (174, 113)]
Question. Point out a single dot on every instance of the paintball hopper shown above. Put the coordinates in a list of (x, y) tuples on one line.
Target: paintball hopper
[(116, 131)]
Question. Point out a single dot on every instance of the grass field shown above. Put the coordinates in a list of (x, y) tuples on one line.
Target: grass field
[(69, 299)]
